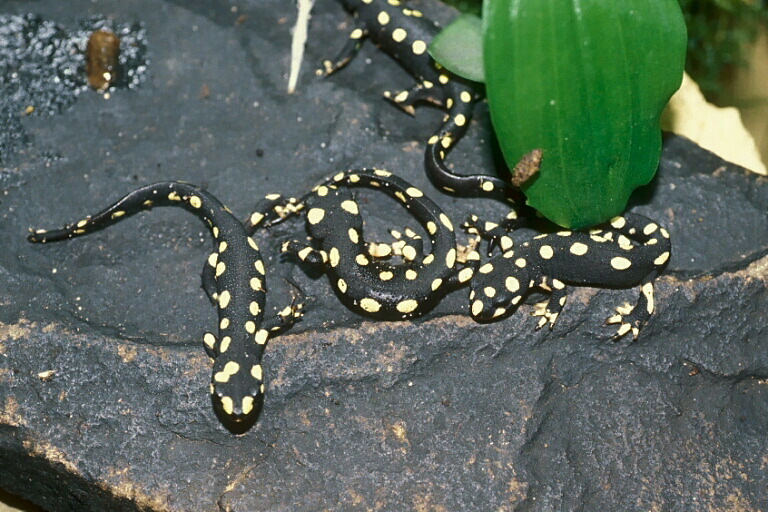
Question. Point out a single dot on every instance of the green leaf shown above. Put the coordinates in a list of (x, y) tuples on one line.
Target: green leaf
[(586, 82), (459, 47)]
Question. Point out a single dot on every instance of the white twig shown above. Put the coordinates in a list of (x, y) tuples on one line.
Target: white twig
[(299, 41)]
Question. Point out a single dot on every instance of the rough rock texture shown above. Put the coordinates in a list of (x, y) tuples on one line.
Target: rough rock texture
[(42, 69), (103, 381)]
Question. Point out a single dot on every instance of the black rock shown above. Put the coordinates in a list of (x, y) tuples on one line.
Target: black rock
[(43, 71), (104, 383)]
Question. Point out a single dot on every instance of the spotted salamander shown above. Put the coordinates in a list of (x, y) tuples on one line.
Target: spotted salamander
[(631, 250), (234, 279), (358, 270), (404, 34)]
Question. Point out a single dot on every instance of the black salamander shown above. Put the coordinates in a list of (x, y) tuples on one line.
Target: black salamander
[(234, 279), (358, 270), (631, 250), (404, 34)]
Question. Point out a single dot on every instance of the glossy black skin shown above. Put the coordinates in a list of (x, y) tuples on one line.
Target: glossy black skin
[(631, 250), (233, 278), (434, 84), (359, 271)]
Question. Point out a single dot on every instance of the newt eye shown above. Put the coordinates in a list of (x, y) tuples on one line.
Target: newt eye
[(238, 409), (237, 390)]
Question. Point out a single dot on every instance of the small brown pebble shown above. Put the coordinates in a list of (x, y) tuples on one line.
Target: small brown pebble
[(101, 59), (527, 167)]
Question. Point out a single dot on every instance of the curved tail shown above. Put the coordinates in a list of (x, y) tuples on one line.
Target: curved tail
[(438, 226), (166, 193), (460, 104)]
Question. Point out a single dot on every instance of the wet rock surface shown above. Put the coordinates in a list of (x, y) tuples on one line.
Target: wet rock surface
[(103, 381)]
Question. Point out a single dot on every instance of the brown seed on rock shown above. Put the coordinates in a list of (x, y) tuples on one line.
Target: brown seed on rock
[(101, 59)]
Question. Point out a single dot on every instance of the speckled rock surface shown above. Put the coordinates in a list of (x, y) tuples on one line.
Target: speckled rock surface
[(103, 380)]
